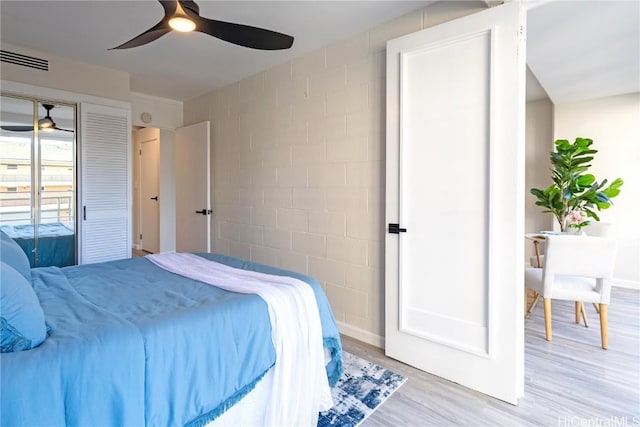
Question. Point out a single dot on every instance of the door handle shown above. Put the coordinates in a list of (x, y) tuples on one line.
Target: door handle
[(204, 212), (395, 229), (154, 198)]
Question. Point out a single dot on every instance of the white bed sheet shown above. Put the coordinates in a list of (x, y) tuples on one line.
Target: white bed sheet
[(250, 411)]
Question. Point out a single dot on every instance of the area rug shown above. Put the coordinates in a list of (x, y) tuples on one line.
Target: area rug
[(360, 391)]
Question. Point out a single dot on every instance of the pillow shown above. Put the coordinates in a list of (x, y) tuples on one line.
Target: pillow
[(22, 317), (12, 254)]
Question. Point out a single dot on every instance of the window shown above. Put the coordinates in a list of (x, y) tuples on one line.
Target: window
[(14, 167), (12, 189)]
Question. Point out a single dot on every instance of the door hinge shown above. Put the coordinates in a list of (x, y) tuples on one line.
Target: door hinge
[(141, 151), (140, 236)]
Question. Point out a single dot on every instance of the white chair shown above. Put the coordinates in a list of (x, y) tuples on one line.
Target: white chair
[(595, 228), (575, 268), (599, 229)]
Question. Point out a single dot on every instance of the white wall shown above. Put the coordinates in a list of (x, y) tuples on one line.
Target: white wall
[(88, 79), (65, 74), (164, 113), (298, 162), (614, 125), (539, 143)]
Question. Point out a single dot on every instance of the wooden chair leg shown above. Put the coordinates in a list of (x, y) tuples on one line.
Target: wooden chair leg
[(532, 306), (584, 315), (596, 307), (604, 326), (547, 318), (578, 309)]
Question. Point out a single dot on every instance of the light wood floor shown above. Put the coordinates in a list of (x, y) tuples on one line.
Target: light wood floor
[(138, 253), (569, 382)]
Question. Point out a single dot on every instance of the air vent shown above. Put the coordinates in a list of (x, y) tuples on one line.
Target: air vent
[(24, 60)]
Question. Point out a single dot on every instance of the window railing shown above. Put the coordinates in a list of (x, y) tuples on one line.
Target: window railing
[(17, 210), (9, 178)]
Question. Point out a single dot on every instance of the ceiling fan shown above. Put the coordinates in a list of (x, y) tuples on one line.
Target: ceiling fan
[(184, 16), (44, 124)]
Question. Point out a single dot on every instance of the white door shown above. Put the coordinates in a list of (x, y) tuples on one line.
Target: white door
[(149, 191), (455, 182), (193, 183), (105, 183)]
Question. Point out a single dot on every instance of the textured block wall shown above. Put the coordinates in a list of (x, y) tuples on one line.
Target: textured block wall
[(298, 166)]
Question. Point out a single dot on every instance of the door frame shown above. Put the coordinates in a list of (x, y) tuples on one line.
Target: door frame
[(140, 144)]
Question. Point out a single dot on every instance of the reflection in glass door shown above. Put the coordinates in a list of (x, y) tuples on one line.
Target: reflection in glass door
[(37, 179)]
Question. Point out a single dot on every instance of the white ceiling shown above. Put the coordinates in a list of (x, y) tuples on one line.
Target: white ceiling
[(585, 49), (577, 49), (181, 66)]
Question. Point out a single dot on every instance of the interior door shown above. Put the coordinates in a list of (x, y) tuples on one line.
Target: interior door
[(149, 192), (455, 182), (193, 183)]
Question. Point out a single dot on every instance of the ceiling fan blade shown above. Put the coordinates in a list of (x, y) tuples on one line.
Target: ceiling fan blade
[(18, 128), (244, 35), (153, 33), (63, 130), (169, 6)]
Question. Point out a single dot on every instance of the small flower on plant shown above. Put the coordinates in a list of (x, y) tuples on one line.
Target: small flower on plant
[(577, 220)]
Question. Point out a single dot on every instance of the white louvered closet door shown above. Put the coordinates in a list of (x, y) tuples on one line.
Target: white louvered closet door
[(105, 183)]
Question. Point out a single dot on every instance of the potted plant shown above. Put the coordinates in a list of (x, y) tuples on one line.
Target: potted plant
[(575, 195)]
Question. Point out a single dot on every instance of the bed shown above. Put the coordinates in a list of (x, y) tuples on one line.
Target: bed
[(56, 243), (130, 343)]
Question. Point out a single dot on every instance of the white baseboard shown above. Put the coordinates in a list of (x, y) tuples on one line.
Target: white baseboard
[(628, 284), (360, 334)]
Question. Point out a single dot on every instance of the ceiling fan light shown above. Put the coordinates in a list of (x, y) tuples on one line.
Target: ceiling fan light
[(46, 123), (182, 24)]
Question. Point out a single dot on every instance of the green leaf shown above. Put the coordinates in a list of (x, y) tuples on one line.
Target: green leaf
[(580, 160), (586, 180), (611, 192), (601, 197), (617, 183), (583, 142), (591, 213)]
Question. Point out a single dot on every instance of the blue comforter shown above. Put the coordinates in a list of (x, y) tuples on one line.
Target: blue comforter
[(132, 344)]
